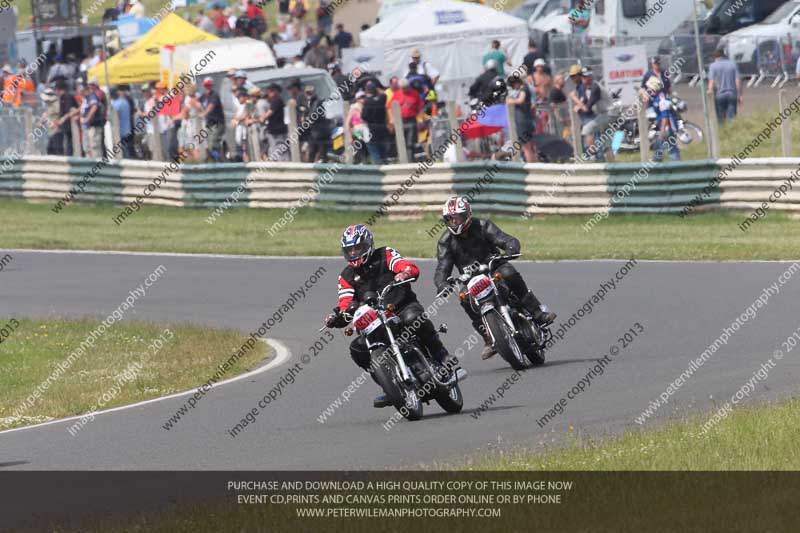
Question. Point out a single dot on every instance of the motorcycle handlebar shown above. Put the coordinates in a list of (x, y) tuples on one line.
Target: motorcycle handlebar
[(393, 285), (469, 272)]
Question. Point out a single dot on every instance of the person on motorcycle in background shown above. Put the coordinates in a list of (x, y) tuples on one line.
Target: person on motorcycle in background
[(371, 269), (467, 241), (666, 121)]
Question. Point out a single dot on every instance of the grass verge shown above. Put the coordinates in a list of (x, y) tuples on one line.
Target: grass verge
[(708, 236), (735, 135), (126, 365), (755, 437)]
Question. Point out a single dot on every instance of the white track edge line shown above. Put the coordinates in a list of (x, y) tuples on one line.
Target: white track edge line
[(282, 354), (303, 257)]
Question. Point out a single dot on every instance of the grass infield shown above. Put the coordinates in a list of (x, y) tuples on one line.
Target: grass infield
[(129, 363)]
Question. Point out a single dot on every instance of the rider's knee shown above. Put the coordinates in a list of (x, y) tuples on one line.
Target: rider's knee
[(507, 270), (360, 353)]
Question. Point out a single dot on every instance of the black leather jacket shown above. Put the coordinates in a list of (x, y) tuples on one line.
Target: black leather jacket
[(481, 240)]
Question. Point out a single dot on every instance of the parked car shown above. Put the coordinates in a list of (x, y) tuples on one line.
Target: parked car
[(323, 85), (764, 45), (729, 15)]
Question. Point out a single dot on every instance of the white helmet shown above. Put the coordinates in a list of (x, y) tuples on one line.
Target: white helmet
[(654, 84), (457, 214)]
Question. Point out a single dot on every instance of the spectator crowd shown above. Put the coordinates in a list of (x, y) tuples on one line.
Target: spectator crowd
[(238, 120)]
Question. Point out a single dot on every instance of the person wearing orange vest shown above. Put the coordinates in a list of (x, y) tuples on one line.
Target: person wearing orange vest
[(14, 86)]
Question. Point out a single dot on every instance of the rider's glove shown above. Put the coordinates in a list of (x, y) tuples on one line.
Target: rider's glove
[(402, 276), (335, 320)]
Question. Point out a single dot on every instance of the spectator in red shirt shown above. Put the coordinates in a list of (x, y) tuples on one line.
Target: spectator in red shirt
[(410, 106), (254, 11)]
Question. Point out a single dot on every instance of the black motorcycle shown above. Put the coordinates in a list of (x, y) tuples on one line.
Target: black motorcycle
[(514, 333), (627, 138), (408, 374)]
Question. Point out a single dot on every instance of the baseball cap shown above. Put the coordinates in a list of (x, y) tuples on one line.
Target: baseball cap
[(586, 71), (145, 87), (255, 91), (240, 74), (93, 81), (415, 53), (159, 85), (208, 81), (360, 94), (574, 70), (539, 63)]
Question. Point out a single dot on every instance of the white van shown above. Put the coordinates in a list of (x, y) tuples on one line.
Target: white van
[(240, 53)]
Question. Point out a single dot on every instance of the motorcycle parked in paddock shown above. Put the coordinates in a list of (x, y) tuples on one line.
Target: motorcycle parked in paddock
[(627, 138), (405, 370), (514, 333)]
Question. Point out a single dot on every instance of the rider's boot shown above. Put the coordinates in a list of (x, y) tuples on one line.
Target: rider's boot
[(488, 350), (532, 305), (381, 401)]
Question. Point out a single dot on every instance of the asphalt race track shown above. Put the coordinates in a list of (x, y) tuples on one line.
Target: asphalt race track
[(682, 306)]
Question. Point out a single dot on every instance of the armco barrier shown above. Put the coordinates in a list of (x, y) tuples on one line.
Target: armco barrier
[(409, 190)]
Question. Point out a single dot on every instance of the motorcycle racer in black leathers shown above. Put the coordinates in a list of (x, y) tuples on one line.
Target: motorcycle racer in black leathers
[(371, 269), (467, 241)]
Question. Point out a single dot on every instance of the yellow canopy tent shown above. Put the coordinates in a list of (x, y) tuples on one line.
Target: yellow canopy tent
[(141, 61)]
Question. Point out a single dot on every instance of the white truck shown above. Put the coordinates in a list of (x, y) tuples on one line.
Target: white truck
[(649, 19)]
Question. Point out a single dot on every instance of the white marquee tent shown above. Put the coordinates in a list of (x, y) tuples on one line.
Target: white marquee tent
[(452, 36)]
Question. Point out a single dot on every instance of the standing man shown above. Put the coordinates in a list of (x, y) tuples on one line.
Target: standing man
[(655, 70), (123, 109), (531, 57), (214, 118), (374, 115), (499, 55), (67, 110), (92, 120), (342, 39), (542, 81), (410, 106), (585, 96), (276, 128), (423, 67), (319, 129), (725, 84)]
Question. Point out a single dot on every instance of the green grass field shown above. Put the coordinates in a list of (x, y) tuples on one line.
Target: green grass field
[(134, 361), (709, 236), (735, 135), (756, 437)]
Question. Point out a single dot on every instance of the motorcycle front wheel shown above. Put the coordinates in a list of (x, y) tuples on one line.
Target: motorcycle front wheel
[(450, 399), (504, 341), (402, 397), (692, 132)]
